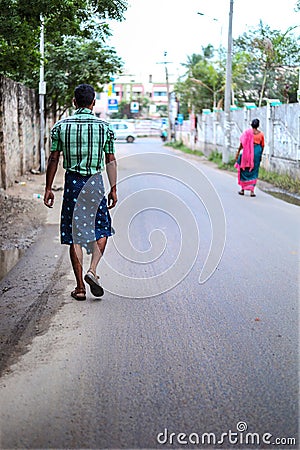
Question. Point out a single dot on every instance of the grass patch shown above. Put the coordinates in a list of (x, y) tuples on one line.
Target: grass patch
[(178, 145), (282, 181), (216, 157)]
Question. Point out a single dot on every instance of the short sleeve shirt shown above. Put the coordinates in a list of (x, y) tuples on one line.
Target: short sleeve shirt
[(83, 139)]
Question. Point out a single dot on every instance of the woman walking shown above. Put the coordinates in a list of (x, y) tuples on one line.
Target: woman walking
[(248, 162)]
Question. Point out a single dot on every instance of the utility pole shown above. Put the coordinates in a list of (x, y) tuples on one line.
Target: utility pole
[(165, 62), (42, 92), (168, 94), (227, 134), (298, 92)]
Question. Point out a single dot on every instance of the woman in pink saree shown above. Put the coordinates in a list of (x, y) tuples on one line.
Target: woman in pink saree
[(248, 162)]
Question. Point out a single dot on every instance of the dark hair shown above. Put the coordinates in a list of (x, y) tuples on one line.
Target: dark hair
[(255, 123), (84, 95)]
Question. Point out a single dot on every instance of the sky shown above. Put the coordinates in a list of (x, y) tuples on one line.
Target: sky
[(152, 27)]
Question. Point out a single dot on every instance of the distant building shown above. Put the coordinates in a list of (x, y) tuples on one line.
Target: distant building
[(130, 90)]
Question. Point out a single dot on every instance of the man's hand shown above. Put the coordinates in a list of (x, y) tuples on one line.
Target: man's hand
[(50, 174), (112, 198), (49, 198)]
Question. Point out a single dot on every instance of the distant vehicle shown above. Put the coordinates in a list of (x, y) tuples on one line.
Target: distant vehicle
[(124, 131)]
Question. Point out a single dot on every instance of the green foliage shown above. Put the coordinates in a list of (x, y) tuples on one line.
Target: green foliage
[(18, 42), (76, 61), (179, 145), (75, 37), (264, 65), (216, 157), (270, 59), (282, 181), (192, 61), (203, 83)]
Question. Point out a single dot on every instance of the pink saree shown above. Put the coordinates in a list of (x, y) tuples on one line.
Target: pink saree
[(247, 177), (247, 140)]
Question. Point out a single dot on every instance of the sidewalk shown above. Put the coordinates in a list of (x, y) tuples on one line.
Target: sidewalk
[(32, 230)]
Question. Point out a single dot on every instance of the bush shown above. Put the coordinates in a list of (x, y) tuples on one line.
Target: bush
[(178, 145)]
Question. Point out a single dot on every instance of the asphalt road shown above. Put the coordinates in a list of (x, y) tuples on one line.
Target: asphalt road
[(162, 354)]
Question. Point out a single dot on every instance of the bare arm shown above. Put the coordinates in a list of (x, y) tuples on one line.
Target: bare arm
[(50, 174), (238, 151), (111, 169)]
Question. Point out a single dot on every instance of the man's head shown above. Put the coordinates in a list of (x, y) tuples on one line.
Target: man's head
[(84, 96)]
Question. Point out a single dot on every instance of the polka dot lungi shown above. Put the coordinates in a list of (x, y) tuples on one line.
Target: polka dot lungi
[(84, 216)]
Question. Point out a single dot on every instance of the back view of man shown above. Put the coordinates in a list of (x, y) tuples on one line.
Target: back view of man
[(87, 144)]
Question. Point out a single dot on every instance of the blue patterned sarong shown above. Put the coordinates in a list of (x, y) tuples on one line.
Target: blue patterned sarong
[(84, 216)]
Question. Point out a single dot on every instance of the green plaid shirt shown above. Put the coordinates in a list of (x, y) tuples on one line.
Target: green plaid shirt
[(83, 139)]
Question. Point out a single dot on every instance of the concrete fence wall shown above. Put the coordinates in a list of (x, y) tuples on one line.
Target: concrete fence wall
[(19, 131), (280, 124)]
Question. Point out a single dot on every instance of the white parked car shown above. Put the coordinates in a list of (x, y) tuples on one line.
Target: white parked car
[(123, 131)]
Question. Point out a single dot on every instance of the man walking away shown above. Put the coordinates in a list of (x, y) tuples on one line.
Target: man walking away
[(87, 145)]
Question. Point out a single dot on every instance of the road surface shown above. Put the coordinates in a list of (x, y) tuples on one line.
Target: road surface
[(213, 363)]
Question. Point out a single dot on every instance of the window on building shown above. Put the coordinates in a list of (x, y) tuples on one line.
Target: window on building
[(160, 94)]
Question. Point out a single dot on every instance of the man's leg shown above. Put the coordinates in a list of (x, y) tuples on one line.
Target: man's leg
[(97, 252), (91, 276), (76, 256)]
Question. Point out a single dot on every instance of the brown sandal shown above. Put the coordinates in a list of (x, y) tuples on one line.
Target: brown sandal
[(78, 294), (92, 279)]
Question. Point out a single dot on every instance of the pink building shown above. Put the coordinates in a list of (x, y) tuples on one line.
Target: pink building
[(132, 91)]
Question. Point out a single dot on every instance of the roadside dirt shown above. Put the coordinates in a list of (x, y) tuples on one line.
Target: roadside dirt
[(31, 263), (22, 213)]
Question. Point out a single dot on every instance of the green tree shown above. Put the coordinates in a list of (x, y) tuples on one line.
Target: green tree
[(20, 29), (203, 83), (75, 61), (269, 59)]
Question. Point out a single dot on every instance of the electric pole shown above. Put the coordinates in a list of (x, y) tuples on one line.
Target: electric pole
[(227, 131), (165, 62), (42, 92)]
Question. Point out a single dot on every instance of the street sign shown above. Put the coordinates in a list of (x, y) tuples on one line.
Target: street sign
[(134, 107), (112, 104), (42, 88)]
